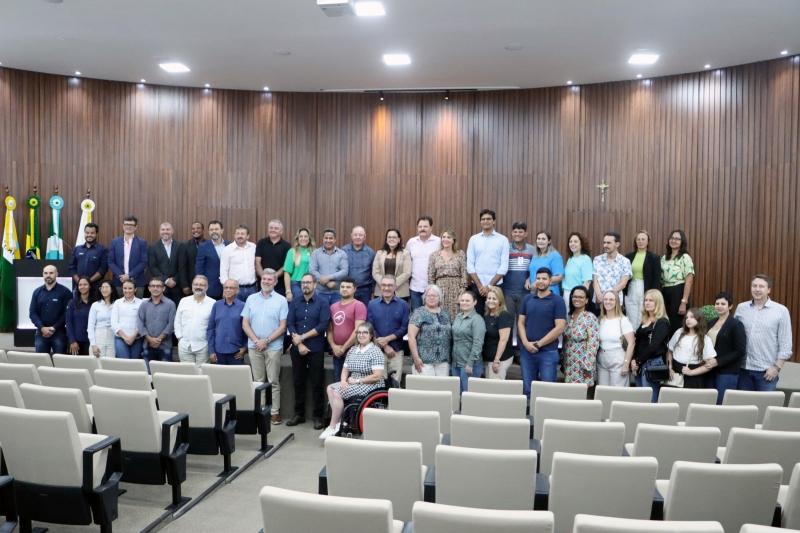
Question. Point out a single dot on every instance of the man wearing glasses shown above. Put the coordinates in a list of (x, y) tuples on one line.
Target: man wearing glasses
[(155, 323), (127, 257)]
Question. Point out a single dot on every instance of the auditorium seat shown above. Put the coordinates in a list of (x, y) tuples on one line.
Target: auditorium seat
[(494, 386), (123, 365), (723, 417), (608, 394), (89, 362), (490, 433), (290, 511), (29, 358), (10, 395), (564, 391), (490, 479), (789, 500), (373, 469), (753, 528), (561, 409), (589, 484), (43, 398), (757, 446), (674, 443), (253, 398), (789, 377), (154, 443), (212, 417), (70, 378), (585, 523), (588, 438), (3, 358), (781, 419), (730, 494), (61, 476), (170, 367), (794, 399), (494, 405), (437, 383), (761, 399), (424, 400), (21, 373), (685, 397), (440, 518), (405, 426), (633, 413)]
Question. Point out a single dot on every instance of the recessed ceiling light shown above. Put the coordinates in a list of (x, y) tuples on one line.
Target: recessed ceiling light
[(207, 85), (396, 60), (266, 88), (707, 65), (643, 58), (142, 80), (174, 67), (784, 52), (77, 72), (569, 82), (638, 75), (369, 9)]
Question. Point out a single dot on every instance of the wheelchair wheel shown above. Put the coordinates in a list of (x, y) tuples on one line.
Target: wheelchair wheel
[(378, 399)]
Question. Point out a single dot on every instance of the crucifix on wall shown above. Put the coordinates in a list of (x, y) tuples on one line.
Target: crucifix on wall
[(603, 186)]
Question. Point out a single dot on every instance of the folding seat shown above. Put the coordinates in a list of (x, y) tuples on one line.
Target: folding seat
[(88, 362), (10, 395), (43, 398), (212, 427), (585, 523), (3, 358), (753, 528), (355, 469), (121, 379), (632, 414), (21, 373), (685, 397), (69, 378), (423, 400), (29, 358), (580, 410), (494, 386), (674, 443), (440, 518), (759, 446), (588, 438), (723, 417), (437, 383), (789, 378), (761, 399), (563, 391), (405, 426), (781, 419), (490, 433), (60, 476), (290, 511), (608, 394), (123, 365), (486, 479), (494, 405), (253, 398), (154, 443), (169, 367), (794, 399), (789, 500)]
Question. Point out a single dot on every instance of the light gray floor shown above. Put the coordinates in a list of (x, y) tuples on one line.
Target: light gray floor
[(234, 506)]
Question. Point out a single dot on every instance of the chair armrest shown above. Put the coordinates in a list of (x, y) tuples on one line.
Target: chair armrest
[(183, 432), (113, 466), (265, 388), (231, 401)]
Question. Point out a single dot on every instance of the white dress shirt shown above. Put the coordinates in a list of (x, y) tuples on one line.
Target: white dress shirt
[(99, 317), (191, 321), (124, 314), (421, 252), (239, 263)]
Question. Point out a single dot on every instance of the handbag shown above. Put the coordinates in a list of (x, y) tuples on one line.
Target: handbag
[(657, 373), (675, 381), (622, 338)]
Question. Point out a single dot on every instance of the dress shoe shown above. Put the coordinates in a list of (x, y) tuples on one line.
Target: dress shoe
[(318, 423), (296, 420), (277, 420)]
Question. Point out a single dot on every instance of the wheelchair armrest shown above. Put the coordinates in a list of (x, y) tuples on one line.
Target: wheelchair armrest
[(231, 401), (183, 432), (114, 465), (264, 388)]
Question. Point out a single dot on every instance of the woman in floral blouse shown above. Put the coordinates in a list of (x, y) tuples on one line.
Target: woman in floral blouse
[(677, 278), (581, 340), (429, 336), (447, 268)]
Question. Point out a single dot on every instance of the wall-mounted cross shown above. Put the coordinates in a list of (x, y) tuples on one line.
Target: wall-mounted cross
[(603, 186)]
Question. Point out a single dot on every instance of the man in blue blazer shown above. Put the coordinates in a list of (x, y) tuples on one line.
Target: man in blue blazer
[(207, 261), (134, 266)]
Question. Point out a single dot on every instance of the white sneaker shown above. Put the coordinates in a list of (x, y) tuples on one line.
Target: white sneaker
[(329, 432)]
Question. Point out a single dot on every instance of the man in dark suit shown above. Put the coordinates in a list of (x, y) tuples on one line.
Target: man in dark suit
[(188, 257), (163, 258), (208, 254), (127, 257)]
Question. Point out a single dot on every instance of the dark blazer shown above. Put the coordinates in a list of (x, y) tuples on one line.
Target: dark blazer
[(652, 270), (137, 262), (207, 264), (186, 262), (163, 266), (731, 345)]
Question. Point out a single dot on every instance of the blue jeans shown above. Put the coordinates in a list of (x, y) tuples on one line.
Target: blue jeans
[(416, 300), (539, 366), (641, 377), (754, 380), (725, 382), (229, 359), (364, 294), (244, 292), (162, 353), (56, 343), (330, 297), (338, 365), (297, 292), (461, 372), (134, 351)]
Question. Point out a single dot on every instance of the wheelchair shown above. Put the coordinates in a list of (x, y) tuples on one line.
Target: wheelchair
[(352, 422)]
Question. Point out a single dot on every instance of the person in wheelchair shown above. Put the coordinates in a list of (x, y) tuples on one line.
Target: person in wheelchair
[(363, 373)]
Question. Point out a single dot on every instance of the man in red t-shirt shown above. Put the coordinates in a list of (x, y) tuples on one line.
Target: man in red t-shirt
[(346, 315)]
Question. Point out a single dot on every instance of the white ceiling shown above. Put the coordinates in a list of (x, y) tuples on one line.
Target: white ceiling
[(234, 43)]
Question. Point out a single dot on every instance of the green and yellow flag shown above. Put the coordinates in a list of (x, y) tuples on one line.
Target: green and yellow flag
[(10, 253), (33, 237)]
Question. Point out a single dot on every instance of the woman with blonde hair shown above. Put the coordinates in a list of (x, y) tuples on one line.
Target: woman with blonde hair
[(296, 264), (497, 354), (616, 343), (447, 268), (650, 349)]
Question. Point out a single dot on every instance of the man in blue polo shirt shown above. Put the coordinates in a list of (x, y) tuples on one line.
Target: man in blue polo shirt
[(542, 318), (389, 316)]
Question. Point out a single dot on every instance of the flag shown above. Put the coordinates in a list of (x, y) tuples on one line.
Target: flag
[(33, 238), (10, 252), (55, 245), (87, 206)]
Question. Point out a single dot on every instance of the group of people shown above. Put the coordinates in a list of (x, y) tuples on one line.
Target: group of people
[(601, 320)]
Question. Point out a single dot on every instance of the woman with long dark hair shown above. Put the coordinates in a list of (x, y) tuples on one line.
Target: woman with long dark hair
[(690, 350), (546, 256), (677, 277), (393, 260), (295, 266), (101, 336), (578, 270), (581, 339), (77, 319)]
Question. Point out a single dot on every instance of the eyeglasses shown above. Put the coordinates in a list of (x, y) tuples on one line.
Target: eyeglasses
[(362, 332), (306, 283)]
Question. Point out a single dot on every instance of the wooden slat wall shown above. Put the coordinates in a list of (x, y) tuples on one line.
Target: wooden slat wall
[(715, 153)]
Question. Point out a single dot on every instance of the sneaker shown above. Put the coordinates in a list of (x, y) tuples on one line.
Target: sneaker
[(329, 432), (277, 420)]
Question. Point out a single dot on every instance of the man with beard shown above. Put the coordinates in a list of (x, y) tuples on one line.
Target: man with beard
[(188, 257), (191, 323), (208, 258), (48, 312), (89, 259)]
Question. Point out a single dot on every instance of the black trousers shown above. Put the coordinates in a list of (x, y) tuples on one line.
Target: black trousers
[(303, 367), (672, 302)]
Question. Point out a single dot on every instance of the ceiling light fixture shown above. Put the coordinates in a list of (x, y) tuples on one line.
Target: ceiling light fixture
[(707, 66), (266, 88), (77, 72), (207, 85), (396, 60), (784, 52), (447, 95), (569, 82), (174, 67), (380, 95), (369, 9), (638, 76), (643, 58), (142, 80)]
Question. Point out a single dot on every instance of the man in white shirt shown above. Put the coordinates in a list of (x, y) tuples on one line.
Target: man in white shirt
[(487, 258), (238, 262), (421, 248), (191, 322)]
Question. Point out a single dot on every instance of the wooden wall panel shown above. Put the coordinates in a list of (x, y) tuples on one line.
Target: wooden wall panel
[(715, 153)]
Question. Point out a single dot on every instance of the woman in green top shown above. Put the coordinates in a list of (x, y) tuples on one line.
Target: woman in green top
[(468, 331), (646, 267), (677, 278), (296, 264)]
